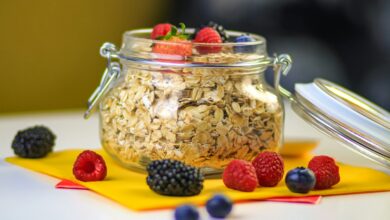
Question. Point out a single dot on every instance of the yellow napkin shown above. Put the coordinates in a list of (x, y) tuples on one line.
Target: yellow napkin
[(130, 189)]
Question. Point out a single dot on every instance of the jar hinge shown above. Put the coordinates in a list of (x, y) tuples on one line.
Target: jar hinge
[(282, 65), (111, 73)]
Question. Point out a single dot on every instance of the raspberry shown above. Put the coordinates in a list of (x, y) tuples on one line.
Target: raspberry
[(160, 30), (240, 175), (89, 166), (269, 168), (174, 46), (219, 28), (208, 35), (326, 171)]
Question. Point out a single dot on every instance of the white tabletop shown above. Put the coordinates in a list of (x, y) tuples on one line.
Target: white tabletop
[(28, 195)]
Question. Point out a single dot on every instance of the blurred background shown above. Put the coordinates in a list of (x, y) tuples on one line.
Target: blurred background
[(50, 49)]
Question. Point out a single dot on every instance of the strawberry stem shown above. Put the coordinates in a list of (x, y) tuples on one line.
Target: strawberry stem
[(174, 33)]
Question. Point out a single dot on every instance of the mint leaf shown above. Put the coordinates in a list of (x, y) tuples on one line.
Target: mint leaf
[(183, 27), (174, 33), (173, 30)]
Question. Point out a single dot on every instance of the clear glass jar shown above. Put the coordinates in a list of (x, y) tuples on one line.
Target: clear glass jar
[(205, 109)]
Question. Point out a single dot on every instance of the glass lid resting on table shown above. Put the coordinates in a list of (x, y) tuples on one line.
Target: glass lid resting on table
[(351, 119)]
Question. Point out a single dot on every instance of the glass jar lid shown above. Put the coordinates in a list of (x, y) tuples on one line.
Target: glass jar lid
[(345, 116)]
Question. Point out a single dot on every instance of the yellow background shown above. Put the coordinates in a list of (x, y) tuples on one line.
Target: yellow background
[(49, 53)]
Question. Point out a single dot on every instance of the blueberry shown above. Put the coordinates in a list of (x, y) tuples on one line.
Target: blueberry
[(247, 48), (300, 180), (219, 206), (186, 212)]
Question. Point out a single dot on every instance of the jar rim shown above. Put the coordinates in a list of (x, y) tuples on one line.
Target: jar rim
[(132, 35), (137, 48)]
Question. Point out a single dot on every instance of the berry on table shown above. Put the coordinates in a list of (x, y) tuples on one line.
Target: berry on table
[(269, 168), (186, 212), (326, 171), (174, 178), (89, 166), (208, 35), (300, 180), (33, 142), (240, 175), (219, 206), (160, 30), (244, 48)]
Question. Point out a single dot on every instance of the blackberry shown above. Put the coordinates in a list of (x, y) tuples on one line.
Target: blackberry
[(219, 28), (174, 178), (33, 142)]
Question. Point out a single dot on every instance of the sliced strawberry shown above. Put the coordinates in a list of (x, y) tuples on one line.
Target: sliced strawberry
[(173, 43), (174, 46)]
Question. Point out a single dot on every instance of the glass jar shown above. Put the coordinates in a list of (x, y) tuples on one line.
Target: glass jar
[(205, 108)]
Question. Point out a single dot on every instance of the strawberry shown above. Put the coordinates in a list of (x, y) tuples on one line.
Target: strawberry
[(160, 30), (326, 171), (174, 46), (269, 168), (208, 35), (174, 43), (89, 166), (240, 175)]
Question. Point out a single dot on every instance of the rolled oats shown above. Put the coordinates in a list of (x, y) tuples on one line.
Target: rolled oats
[(203, 117)]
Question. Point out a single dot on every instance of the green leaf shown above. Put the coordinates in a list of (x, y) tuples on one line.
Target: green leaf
[(183, 27), (173, 30), (183, 36)]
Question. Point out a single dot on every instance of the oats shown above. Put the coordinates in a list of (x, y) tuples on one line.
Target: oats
[(222, 129), (218, 115), (205, 117), (170, 136), (236, 107)]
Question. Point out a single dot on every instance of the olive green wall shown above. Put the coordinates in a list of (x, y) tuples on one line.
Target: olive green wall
[(49, 53)]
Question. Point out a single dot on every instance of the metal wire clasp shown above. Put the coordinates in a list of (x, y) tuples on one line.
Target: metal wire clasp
[(111, 73), (282, 65)]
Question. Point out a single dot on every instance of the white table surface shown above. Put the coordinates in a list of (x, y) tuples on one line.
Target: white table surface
[(28, 195)]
